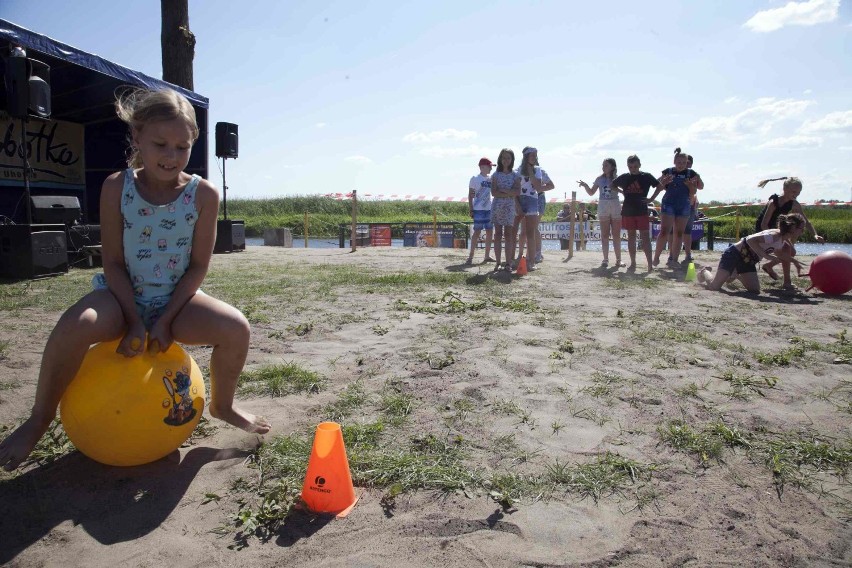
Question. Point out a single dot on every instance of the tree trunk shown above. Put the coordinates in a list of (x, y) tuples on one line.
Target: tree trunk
[(177, 42)]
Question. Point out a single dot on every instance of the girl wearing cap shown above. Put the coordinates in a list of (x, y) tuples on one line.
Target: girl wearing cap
[(534, 182), (609, 210), (505, 187)]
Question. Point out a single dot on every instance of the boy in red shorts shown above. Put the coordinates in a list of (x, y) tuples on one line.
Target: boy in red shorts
[(634, 212)]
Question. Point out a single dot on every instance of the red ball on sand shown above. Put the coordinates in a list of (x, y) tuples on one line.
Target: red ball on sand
[(831, 272)]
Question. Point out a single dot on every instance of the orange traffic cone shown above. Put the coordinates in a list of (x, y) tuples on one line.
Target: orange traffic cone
[(522, 267), (328, 484)]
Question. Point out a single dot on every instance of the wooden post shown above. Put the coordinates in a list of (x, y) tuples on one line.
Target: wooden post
[(354, 218), (434, 228), (582, 226), (571, 224), (306, 229), (738, 224)]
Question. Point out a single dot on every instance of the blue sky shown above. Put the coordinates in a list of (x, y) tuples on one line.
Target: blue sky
[(405, 97)]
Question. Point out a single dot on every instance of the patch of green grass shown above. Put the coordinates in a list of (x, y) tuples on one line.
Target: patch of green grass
[(521, 305), (436, 361), (49, 294), (395, 404), (280, 380), (794, 459), (565, 346), (53, 445), (352, 398), (743, 386), (509, 407), (605, 476), (603, 384), (681, 436), (301, 329), (4, 348), (782, 358), (380, 329), (839, 396), (690, 390)]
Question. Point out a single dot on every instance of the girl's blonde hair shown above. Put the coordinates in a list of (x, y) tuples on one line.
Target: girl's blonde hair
[(788, 181), (138, 107)]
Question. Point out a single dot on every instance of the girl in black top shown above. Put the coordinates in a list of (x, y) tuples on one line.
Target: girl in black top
[(782, 205)]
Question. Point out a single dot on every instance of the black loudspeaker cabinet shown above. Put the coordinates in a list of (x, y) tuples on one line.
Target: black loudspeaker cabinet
[(32, 251), (230, 236), (49, 209), (227, 140), (16, 80), (39, 89)]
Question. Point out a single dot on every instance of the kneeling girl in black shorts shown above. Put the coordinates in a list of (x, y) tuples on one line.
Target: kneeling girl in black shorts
[(741, 258)]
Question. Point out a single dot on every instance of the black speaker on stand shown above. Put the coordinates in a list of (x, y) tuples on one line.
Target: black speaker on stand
[(230, 234), (30, 250)]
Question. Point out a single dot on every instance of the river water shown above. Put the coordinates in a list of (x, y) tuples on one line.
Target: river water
[(801, 248)]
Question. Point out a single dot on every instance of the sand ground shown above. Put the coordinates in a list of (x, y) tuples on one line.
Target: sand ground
[(645, 350)]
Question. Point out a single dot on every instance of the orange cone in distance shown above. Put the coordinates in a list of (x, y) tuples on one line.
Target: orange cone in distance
[(522, 267), (328, 484)]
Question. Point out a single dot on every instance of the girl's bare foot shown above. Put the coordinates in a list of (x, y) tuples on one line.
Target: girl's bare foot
[(770, 271), (20, 443), (241, 419)]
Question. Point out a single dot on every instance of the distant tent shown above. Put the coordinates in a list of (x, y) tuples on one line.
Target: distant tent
[(83, 88)]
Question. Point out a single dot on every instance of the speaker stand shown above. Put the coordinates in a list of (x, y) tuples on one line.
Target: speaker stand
[(230, 234)]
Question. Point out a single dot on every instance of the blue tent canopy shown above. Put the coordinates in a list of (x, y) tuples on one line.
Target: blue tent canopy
[(83, 89)]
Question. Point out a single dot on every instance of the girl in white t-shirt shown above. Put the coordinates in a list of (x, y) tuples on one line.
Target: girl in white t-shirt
[(741, 258), (609, 210)]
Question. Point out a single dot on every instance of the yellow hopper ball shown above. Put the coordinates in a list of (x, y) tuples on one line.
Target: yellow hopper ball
[(131, 411)]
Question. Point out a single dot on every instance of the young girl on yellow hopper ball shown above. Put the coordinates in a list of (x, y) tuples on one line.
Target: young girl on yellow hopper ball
[(158, 227)]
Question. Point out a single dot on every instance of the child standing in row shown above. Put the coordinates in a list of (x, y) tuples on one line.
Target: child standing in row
[(505, 187), (144, 288), (676, 207), (693, 212), (780, 205), (479, 199), (609, 209), (534, 183), (635, 186)]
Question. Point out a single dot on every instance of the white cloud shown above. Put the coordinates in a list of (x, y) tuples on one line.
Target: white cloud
[(439, 135), (807, 91), (832, 122), (807, 13), (845, 148), (794, 142), (626, 138), (359, 160), (758, 119), (320, 124), (472, 151), (732, 100)]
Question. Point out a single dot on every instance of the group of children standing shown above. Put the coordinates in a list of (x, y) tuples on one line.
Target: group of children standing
[(515, 210), (509, 204)]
